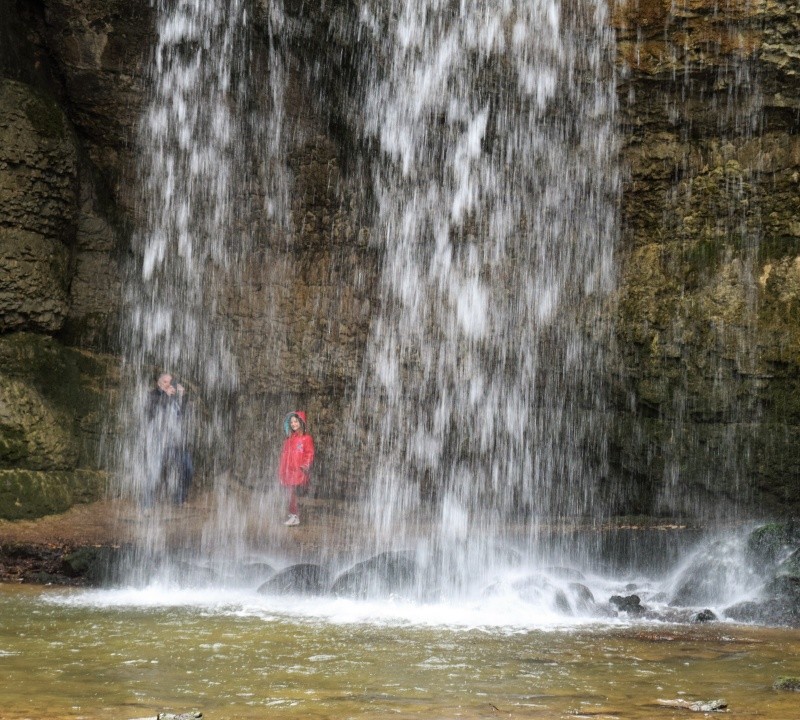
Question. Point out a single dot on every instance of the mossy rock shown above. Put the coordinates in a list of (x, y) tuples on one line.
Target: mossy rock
[(68, 395), (33, 435), (27, 494), (92, 564), (767, 542), (54, 405), (791, 566), (38, 164), (787, 683), (34, 281), (65, 377), (44, 115)]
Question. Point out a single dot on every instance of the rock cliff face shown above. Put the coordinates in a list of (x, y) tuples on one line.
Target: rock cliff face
[(707, 319), (39, 206), (706, 378)]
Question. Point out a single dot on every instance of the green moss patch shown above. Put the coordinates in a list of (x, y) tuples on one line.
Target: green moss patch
[(787, 683), (44, 116), (777, 248), (27, 494), (60, 374), (767, 542)]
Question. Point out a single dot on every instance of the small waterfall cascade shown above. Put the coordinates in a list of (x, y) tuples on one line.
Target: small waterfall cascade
[(496, 187), (186, 254)]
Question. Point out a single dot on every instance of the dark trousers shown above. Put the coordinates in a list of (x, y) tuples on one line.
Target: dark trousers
[(172, 479), (178, 463)]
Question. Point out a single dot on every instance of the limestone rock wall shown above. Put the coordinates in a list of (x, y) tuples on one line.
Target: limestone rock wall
[(705, 402), (300, 317), (61, 241), (38, 182), (53, 405), (709, 338)]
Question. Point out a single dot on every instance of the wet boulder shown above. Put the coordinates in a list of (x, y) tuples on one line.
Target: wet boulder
[(779, 600), (300, 579), (582, 597), (692, 591), (250, 573), (786, 587), (697, 586), (538, 589), (790, 567), (631, 604), (94, 564), (534, 588), (788, 683), (704, 616), (767, 544), (384, 574), (763, 612), (717, 569), (561, 602), (779, 605)]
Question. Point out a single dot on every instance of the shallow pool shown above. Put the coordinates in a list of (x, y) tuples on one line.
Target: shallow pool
[(118, 654)]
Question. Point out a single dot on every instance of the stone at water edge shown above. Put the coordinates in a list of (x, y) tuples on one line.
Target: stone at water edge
[(173, 716), (791, 684), (630, 604), (704, 616), (303, 578), (382, 574), (697, 705)]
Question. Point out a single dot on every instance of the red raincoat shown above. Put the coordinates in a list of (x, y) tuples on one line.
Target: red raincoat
[(297, 455)]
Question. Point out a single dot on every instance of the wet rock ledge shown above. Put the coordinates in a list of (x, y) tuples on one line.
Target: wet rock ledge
[(55, 565)]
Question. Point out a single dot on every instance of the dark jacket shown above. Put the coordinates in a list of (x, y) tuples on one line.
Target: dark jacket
[(168, 411)]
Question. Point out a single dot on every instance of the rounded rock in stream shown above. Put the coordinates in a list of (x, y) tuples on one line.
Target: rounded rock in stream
[(630, 604), (301, 579), (790, 684), (583, 597), (383, 574), (538, 589)]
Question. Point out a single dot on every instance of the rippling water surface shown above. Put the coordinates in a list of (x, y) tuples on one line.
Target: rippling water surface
[(131, 654)]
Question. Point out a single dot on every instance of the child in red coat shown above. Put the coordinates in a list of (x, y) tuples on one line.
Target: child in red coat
[(297, 457)]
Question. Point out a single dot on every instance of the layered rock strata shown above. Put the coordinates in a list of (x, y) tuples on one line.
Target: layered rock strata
[(705, 402)]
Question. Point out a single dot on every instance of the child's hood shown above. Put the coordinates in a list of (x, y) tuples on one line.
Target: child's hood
[(300, 415)]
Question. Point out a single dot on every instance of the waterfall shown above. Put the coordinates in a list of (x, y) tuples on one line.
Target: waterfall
[(495, 183), (186, 253), (480, 412), (495, 188)]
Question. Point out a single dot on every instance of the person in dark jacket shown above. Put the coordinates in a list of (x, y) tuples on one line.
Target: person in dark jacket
[(297, 456), (167, 434)]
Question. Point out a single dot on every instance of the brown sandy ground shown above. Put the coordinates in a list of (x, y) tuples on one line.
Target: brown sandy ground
[(35, 550)]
